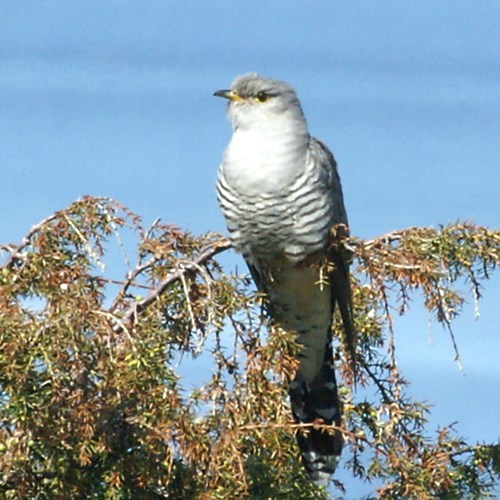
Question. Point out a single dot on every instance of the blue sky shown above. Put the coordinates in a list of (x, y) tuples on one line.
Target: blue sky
[(115, 99)]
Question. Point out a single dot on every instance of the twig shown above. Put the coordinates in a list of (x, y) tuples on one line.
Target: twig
[(26, 241), (182, 277), (131, 276), (86, 244), (132, 312), (386, 397), (318, 426)]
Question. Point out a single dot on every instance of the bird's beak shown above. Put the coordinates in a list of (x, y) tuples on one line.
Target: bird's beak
[(228, 94)]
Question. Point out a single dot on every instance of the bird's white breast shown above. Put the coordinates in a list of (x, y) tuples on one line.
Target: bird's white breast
[(262, 162)]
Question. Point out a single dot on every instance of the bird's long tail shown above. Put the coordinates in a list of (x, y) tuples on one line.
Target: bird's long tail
[(301, 303), (318, 401)]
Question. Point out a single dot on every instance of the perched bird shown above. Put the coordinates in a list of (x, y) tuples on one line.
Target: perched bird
[(281, 196)]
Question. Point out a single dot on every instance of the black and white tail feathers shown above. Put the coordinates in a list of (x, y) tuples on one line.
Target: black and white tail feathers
[(318, 400)]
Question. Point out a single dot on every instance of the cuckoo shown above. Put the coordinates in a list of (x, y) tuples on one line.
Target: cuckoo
[(280, 193)]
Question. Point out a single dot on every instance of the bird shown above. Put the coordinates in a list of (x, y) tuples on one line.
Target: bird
[(281, 196)]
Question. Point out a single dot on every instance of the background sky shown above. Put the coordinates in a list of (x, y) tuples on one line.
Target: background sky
[(115, 99)]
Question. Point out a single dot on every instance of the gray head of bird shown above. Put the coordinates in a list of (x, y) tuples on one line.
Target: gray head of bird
[(257, 102)]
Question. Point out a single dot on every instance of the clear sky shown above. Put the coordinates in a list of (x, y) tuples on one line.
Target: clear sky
[(115, 99)]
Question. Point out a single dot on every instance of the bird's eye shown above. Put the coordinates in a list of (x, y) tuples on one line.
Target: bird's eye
[(262, 97)]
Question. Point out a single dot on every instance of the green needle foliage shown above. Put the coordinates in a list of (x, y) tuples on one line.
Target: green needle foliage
[(93, 336)]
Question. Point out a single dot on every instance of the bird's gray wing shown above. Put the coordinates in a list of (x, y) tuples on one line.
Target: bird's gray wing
[(339, 258)]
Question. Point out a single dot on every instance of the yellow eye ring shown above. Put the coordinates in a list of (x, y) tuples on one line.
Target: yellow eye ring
[(262, 97)]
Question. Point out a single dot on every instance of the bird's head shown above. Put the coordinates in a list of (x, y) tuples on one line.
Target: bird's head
[(257, 101)]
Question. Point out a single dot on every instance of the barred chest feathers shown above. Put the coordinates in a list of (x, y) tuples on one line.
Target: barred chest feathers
[(274, 199)]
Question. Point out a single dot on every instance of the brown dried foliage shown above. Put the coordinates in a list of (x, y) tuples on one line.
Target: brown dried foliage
[(92, 401)]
